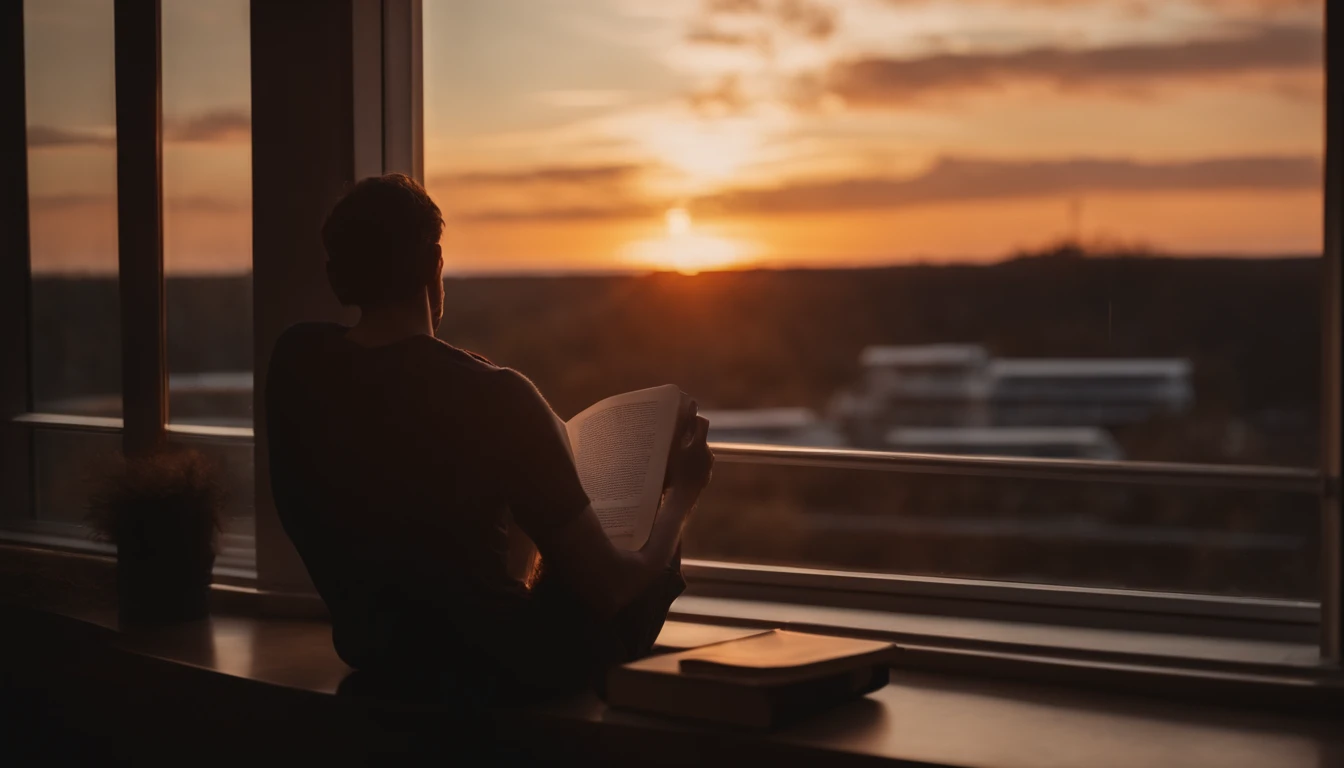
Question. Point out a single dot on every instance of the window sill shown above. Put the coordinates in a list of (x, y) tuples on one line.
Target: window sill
[(258, 668), (1259, 675), (942, 642), (1112, 658), (969, 634)]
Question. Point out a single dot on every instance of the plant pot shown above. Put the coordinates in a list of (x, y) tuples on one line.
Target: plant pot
[(162, 512), (159, 589)]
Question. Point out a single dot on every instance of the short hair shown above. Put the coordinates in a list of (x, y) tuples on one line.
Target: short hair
[(377, 237)]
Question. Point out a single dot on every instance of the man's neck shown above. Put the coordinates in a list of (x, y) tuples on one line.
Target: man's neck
[(391, 323)]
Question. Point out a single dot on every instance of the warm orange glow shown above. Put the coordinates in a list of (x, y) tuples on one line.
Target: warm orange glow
[(686, 251), (860, 137), (705, 152), (678, 221)]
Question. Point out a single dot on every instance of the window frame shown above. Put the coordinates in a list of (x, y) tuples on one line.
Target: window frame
[(1332, 529), (15, 277), (383, 121)]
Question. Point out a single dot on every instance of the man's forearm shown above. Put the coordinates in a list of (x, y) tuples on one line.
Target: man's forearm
[(608, 577), (647, 565), (667, 527)]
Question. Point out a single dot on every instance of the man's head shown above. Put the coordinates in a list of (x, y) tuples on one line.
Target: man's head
[(382, 242)]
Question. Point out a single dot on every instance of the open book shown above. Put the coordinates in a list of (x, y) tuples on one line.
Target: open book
[(621, 446)]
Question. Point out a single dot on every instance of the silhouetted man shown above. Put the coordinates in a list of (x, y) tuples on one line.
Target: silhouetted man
[(400, 465)]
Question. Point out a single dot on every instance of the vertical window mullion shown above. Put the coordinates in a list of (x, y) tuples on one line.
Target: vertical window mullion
[(15, 267), (140, 223), (1332, 531), (403, 88)]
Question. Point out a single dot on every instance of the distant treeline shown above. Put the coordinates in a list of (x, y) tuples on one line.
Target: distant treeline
[(76, 331), (793, 337), (772, 338)]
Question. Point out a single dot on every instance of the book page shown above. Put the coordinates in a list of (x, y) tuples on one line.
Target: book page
[(784, 650), (684, 635), (620, 448)]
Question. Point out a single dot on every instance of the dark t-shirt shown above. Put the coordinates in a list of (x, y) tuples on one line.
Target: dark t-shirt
[(396, 470)]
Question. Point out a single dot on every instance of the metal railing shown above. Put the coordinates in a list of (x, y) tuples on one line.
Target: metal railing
[(965, 589), (1229, 476), (105, 424)]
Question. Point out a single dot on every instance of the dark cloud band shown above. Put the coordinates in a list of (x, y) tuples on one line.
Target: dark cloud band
[(955, 179), (877, 82), (585, 174), (220, 126)]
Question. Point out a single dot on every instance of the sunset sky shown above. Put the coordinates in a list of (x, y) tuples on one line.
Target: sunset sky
[(699, 134)]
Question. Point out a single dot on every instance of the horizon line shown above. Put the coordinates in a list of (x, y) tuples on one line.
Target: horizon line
[(775, 266)]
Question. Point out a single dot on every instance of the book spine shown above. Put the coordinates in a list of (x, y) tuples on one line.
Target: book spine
[(690, 698), (799, 700)]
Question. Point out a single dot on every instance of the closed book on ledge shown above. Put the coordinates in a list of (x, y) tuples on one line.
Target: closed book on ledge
[(761, 681)]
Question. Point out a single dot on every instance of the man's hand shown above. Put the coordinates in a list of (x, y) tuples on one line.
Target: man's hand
[(692, 462)]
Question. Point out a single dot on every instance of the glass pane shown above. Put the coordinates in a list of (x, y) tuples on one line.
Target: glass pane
[(72, 187), (207, 178), (1049, 229), (237, 557), (66, 466), (69, 464), (1089, 534)]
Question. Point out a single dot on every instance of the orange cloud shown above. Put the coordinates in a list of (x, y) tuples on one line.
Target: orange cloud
[(219, 126), (881, 82), (216, 126), (1230, 222), (954, 180), (809, 19), (561, 174), (200, 203), (47, 136)]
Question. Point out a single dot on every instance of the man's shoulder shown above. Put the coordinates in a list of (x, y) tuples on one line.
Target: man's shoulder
[(298, 340), (488, 384), (462, 359), (519, 397), (306, 332), (495, 394)]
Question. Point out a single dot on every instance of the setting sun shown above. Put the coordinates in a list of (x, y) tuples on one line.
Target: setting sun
[(685, 251)]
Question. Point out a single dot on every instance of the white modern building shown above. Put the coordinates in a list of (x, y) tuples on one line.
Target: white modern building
[(772, 426), (1108, 392), (1024, 442), (961, 387)]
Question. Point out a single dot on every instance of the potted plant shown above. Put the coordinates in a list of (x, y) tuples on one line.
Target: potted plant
[(162, 513)]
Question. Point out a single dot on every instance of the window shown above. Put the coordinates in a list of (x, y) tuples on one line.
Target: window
[(207, 192), (74, 307), (76, 333), (72, 182), (1051, 231), (917, 229), (207, 171), (1014, 296)]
